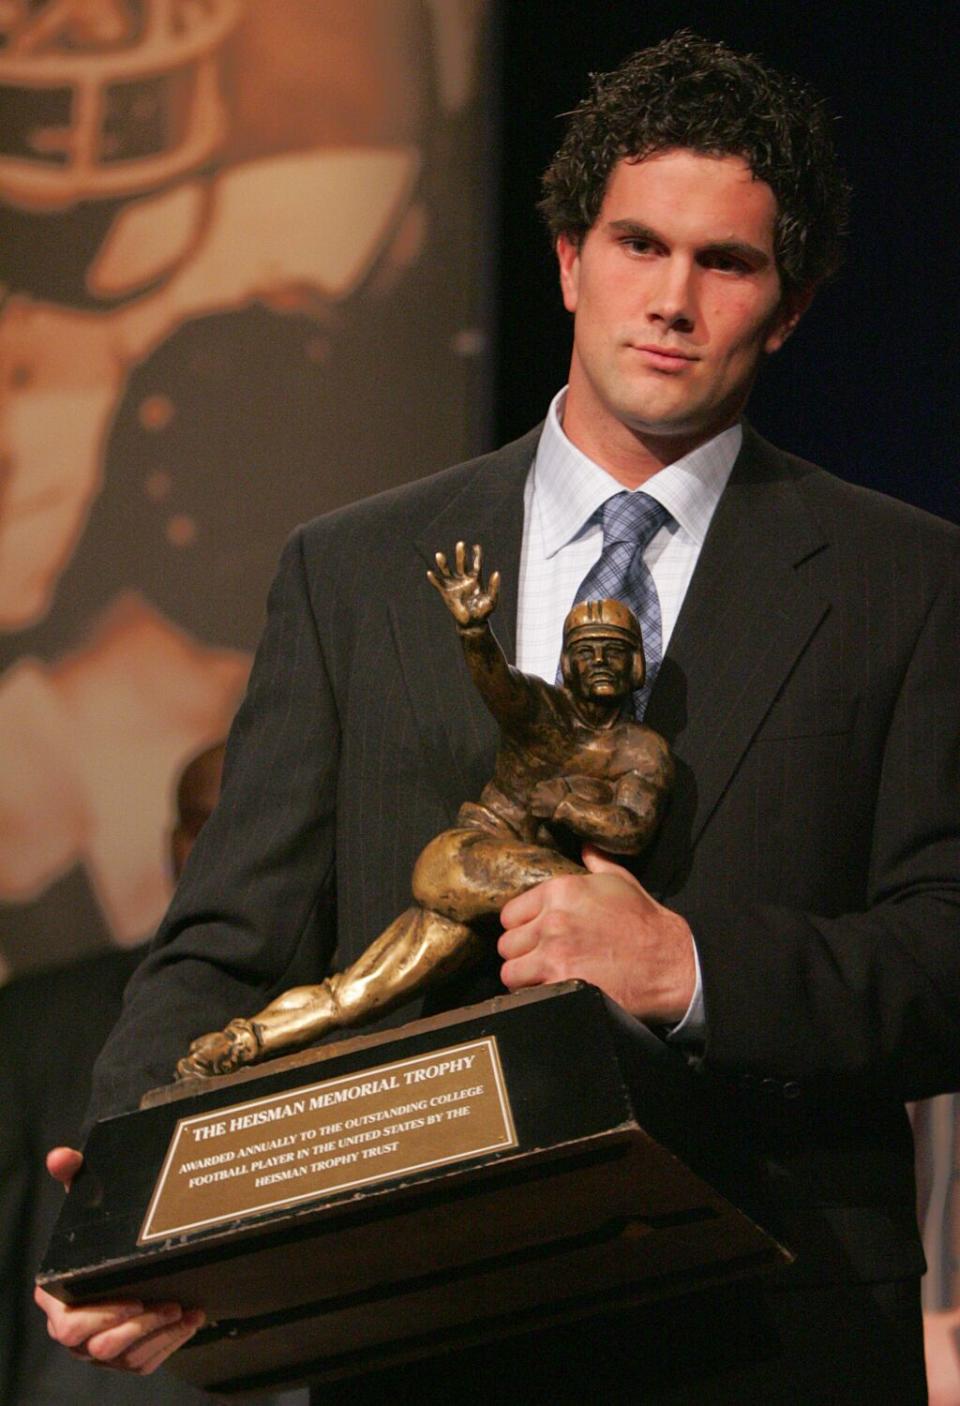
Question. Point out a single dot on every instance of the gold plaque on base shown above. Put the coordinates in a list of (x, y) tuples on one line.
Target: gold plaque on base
[(271, 1153)]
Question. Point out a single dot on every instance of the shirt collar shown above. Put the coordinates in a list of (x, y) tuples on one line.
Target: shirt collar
[(569, 487)]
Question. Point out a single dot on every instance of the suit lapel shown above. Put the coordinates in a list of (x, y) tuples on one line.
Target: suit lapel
[(487, 508), (749, 613)]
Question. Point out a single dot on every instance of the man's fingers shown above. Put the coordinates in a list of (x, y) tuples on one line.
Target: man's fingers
[(522, 971), (63, 1163), (522, 909), (131, 1343), (124, 1334), (517, 942), (441, 559), (493, 587), (74, 1326), (155, 1350), (460, 556), (117, 1340), (477, 559)]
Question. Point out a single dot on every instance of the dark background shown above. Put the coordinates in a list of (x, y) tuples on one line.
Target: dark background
[(867, 385)]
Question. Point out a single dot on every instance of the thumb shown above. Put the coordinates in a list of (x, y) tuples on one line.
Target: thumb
[(596, 862), (63, 1163)]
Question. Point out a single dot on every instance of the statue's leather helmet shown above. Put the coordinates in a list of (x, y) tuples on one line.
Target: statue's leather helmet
[(604, 619)]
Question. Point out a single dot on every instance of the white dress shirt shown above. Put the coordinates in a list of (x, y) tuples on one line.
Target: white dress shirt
[(562, 540)]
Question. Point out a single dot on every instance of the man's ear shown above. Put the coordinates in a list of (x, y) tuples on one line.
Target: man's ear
[(566, 673), (568, 257), (792, 307)]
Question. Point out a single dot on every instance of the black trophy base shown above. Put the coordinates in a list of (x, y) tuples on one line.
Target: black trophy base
[(396, 1195)]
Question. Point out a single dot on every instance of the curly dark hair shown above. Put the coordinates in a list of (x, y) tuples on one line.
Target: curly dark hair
[(689, 92)]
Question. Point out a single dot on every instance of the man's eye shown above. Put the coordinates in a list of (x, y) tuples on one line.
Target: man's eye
[(725, 263)]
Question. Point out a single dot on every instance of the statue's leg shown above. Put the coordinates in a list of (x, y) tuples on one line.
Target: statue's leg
[(470, 874), (462, 875), (416, 948)]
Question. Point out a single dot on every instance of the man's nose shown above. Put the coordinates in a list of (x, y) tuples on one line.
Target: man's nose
[(672, 300)]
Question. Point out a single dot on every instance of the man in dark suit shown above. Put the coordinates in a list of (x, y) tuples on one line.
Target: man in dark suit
[(795, 925)]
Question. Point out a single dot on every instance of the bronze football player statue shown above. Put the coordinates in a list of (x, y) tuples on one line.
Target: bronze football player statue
[(571, 762)]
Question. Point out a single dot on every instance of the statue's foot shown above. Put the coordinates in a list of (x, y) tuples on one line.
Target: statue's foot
[(221, 1052)]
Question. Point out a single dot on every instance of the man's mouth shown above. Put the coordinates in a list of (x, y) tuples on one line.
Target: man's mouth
[(665, 358)]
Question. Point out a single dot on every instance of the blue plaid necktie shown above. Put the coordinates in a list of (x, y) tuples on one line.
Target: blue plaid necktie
[(630, 522)]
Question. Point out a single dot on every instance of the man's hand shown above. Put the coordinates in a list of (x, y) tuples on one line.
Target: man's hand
[(462, 590), (602, 927), (122, 1333)]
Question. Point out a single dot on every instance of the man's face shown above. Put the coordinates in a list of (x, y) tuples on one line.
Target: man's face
[(676, 296), (600, 667)]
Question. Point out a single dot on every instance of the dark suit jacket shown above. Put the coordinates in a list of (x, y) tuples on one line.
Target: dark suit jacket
[(811, 694)]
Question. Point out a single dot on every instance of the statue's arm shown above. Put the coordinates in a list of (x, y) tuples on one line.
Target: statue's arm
[(620, 816), (505, 690)]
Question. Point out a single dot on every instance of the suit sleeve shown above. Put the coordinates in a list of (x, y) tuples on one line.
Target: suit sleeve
[(252, 913), (867, 1000)]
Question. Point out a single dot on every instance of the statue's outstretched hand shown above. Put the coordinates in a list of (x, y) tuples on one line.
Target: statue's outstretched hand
[(462, 590)]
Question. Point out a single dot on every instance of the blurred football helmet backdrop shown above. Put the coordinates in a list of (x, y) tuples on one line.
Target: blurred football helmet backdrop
[(242, 249)]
